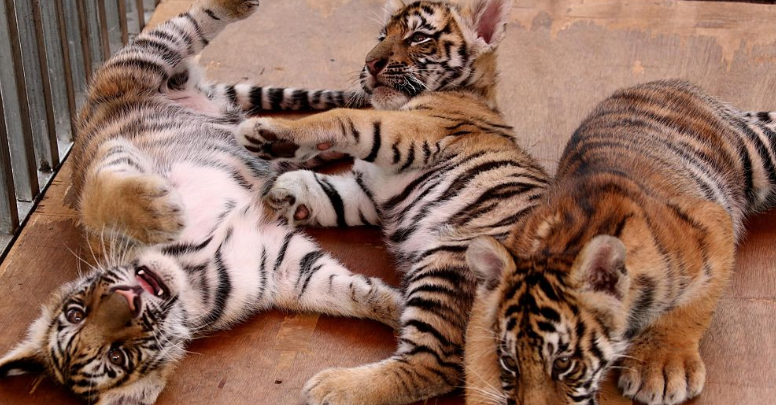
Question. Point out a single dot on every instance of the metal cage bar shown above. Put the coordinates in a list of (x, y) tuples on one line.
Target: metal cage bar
[(21, 143), (9, 214), (122, 7), (50, 49), (67, 66), (140, 15)]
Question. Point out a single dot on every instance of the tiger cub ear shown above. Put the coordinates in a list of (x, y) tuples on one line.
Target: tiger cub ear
[(600, 267), (26, 357), (488, 19), (392, 7), (489, 259)]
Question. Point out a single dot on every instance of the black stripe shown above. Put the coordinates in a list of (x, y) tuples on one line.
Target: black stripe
[(354, 131), (410, 158), (197, 28), (263, 272), (334, 198), (301, 100), (231, 94), (283, 249), (396, 152), (275, 96), (306, 269), (182, 248), (762, 150), (211, 14), (375, 143), (223, 290), (257, 100)]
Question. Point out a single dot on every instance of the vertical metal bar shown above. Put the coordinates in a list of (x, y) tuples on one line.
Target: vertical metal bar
[(55, 57), (83, 25), (105, 35), (123, 21), (93, 18), (68, 67), (9, 215), (23, 149), (46, 84), (140, 15), (36, 86)]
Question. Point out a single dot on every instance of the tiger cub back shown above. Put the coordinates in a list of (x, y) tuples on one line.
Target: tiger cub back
[(624, 261)]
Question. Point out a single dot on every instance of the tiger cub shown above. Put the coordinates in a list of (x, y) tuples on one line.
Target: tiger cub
[(624, 261), (436, 168), (151, 168)]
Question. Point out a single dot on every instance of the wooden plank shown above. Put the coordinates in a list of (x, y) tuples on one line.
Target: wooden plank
[(560, 58)]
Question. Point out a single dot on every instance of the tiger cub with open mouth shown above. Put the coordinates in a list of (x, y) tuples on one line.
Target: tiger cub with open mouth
[(157, 164), (436, 167)]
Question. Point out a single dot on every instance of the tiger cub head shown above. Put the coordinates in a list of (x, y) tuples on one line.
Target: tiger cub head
[(429, 46), (111, 337), (545, 327)]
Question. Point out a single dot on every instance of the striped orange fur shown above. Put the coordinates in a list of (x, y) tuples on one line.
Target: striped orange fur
[(623, 262)]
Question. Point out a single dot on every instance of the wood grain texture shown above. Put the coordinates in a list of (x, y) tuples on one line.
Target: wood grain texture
[(559, 59)]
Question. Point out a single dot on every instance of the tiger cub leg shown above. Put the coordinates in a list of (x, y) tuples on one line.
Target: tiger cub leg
[(123, 196), (310, 280), (398, 140), (304, 197), (429, 359), (663, 365)]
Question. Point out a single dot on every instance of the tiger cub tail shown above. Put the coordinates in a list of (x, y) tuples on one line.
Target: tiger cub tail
[(255, 100), (759, 130)]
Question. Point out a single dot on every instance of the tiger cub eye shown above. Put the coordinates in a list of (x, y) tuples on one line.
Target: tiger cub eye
[(116, 357), (561, 365), (74, 315)]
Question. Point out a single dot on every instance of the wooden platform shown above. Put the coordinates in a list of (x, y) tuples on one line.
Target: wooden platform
[(560, 58)]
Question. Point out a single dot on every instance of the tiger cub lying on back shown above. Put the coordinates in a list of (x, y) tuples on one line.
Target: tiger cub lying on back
[(152, 170), (626, 258), (436, 172)]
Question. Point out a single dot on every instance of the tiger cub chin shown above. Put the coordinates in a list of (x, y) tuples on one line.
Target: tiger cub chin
[(624, 261), (157, 166)]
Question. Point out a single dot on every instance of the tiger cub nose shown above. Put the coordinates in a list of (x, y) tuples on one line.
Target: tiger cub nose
[(132, 296), (376, 66)]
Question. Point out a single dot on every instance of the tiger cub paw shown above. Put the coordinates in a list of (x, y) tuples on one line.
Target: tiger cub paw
[(657, 373), (144, 207), (232, 10), (273, 138), (343, 386), (289, 198)]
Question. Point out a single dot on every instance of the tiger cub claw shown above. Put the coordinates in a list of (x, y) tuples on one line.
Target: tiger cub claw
[(665, 375)]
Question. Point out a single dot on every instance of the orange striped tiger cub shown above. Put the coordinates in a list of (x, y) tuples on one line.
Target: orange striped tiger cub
[(621, 266), (436, 171), (157, 166)]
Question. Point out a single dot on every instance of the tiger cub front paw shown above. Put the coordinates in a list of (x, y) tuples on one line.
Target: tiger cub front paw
[(232, 10), (289, 198), (657, 373), (143, 207), (273, 138)]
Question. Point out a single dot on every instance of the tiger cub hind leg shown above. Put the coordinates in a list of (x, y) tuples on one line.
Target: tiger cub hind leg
[(429, 358), (122, 195), (312, 280)]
